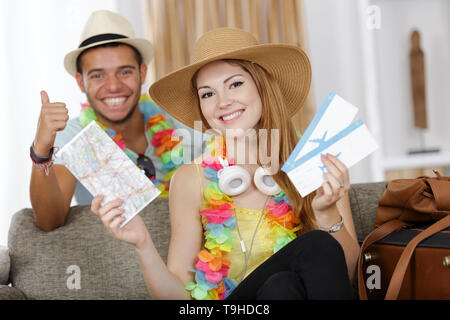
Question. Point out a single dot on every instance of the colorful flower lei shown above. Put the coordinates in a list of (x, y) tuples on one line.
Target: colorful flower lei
[(159, 132), (211, 268)]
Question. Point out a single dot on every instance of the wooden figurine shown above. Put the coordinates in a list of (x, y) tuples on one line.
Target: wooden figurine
[(417, 67)]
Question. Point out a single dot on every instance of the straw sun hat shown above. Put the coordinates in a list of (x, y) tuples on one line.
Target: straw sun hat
[(103, 27), (288, 64)]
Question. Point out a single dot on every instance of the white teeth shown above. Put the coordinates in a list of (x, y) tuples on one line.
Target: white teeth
[(114, 101), (232, 116)]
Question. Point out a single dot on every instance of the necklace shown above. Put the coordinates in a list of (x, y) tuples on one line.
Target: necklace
[(158, 130), (212, 266), (243, 248)]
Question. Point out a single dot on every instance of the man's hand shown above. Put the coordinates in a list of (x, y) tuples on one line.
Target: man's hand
[(53, 118)]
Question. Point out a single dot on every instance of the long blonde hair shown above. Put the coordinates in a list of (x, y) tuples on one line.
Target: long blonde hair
[(274, 116)]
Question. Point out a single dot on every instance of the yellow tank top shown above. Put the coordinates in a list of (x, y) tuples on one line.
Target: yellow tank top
[(262, 248)]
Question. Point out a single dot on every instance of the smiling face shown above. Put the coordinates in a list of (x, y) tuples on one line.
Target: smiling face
[(112, 79), (228, 97)]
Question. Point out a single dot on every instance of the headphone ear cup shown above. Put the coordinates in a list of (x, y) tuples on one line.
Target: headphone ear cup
[(233, 180), (265, 183)]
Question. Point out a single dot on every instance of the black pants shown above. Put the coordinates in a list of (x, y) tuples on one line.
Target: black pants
[(310, 267)]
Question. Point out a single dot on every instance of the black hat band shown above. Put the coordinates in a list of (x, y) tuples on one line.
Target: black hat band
[(101, 37)]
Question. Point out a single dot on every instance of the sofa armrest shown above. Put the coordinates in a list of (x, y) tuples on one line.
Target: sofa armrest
[(11, 293), (5, 263)]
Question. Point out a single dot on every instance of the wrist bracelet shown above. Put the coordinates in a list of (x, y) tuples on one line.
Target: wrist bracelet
[(334, 228), (42, 163), (38, 159)]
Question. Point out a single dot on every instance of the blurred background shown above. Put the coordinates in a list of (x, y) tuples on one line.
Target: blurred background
[(360, 49)]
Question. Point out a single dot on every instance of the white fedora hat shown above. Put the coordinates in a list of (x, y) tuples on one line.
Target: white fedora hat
[(104, 27)]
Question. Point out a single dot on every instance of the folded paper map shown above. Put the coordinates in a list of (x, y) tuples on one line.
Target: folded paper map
[(331, 131), (103, 168)]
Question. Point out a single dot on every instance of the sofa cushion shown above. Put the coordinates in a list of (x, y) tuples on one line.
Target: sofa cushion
[(81, 260), (364, 203)]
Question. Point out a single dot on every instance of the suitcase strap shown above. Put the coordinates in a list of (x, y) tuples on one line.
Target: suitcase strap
[(375, 235), (399, 272), (403, 262)]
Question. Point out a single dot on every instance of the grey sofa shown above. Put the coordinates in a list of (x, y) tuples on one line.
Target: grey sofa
[(82, 261)]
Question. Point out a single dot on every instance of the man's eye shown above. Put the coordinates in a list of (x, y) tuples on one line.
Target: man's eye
[(96, 76), (206, 95), (236, 84), (126, 72)]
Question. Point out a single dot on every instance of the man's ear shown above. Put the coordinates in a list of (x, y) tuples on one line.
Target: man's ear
[(79, 78), (143, 70)]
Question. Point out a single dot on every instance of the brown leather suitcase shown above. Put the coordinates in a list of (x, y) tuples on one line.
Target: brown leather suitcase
[(428, 272)]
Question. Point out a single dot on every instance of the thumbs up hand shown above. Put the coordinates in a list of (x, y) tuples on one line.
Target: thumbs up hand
[(53, 118)]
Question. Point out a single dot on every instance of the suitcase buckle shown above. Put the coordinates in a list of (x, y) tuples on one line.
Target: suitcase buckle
[(446, 261), (370, 256)]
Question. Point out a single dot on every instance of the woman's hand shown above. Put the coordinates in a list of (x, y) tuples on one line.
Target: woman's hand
[(134, 232), (332, 190)]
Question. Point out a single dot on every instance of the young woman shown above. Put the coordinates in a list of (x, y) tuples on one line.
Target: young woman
[(262, 241)]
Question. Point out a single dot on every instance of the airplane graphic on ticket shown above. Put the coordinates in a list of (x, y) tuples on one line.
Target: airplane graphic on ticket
[(333, 131)]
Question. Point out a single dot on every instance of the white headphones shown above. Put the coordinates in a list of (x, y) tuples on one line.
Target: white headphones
[(234, 180)]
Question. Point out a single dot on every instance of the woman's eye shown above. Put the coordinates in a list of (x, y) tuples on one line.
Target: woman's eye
[(236, 84), (206, 95)]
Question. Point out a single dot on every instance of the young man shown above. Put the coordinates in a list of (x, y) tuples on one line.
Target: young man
[(109, 66)]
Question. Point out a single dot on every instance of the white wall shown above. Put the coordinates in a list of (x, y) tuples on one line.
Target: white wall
[(334, 42), (431, 18), (4, 213), (370, 68), (34, 38)]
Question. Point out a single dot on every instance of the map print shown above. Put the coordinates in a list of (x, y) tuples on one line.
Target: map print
[(103, 168)]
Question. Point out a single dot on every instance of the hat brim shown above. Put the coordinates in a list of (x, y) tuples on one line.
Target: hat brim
[(288, 64), (144, 47)]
